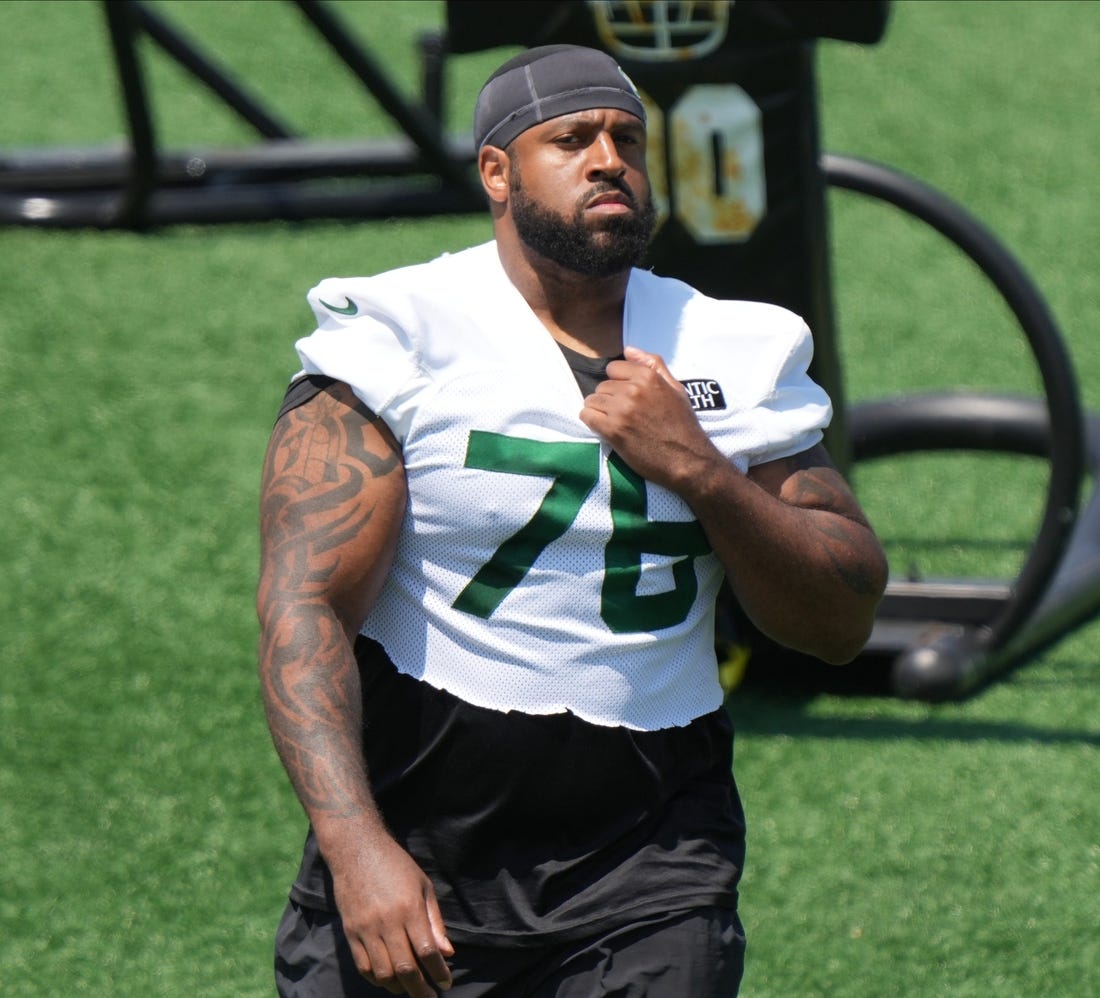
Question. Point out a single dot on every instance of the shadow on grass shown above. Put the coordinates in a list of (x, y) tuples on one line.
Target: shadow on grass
[(756, 713)]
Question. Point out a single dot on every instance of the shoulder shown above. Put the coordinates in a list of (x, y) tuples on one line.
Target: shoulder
[(669, 294), (338, 300), (390, 335), (670, 317)]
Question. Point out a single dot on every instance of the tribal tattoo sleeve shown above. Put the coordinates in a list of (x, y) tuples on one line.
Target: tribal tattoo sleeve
[(332, 499)]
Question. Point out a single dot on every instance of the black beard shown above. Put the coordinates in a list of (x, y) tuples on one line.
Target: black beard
[(618, 243)]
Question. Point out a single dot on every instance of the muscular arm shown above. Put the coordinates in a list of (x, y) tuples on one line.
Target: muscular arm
[(801, 557), (332, 500), (798, 552)]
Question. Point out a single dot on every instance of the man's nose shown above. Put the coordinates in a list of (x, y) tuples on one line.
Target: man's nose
[(604, 157)]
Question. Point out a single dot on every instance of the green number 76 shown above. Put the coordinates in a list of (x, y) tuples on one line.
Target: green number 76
[(574, 470)]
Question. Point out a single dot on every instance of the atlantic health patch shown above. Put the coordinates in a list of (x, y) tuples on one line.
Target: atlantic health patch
[(705, 393)]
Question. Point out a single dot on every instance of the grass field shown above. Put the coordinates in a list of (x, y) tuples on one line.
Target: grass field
[(147, 833)]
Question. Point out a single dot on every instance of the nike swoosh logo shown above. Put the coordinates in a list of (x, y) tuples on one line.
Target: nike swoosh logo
[(349, 309)]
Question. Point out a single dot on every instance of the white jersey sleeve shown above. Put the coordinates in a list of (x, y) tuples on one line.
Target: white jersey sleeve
[(794, 413), (744, 364)]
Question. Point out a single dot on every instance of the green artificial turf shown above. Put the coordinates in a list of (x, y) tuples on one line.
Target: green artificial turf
[(147, 833)]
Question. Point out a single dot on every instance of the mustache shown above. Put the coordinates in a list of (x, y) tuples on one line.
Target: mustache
[(618, 186)]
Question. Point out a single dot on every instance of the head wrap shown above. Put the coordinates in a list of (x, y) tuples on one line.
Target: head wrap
[(547, 82)]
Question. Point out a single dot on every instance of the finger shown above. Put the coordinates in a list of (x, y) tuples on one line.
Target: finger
[(407, 956), (361, 957), (596, 412), (603, 397), (636, 355), (617, 370), (410, 979), (431, 959), (392, 985), (433, 952), (379, 970), (438, 927), (653, 361), (627, 377), (428, 942)]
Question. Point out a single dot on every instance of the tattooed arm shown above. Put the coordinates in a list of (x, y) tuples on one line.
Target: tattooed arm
[(818, 572), (798, 552), (332, 501)]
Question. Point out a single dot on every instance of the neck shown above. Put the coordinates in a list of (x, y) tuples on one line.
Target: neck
[(584, 313)]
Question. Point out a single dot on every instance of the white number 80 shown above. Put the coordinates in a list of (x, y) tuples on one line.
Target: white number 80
[(716, 162)]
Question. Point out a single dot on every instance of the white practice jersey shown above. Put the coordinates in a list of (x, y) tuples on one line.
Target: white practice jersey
[(535, 571)]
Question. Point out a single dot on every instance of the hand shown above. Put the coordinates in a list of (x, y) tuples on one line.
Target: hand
[(391, 919), (644, 413)]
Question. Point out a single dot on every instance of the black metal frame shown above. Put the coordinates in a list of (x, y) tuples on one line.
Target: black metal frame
[(944, 639), (422, 172), (980, 631)]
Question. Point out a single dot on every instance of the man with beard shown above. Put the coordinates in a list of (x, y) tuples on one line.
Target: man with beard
[(497, 507)]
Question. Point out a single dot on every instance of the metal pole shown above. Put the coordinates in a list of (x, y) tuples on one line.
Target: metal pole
[(131, 209)]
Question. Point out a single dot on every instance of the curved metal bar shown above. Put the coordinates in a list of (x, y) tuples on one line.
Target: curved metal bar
[(949, 421), (954, 657), (1067, 425)]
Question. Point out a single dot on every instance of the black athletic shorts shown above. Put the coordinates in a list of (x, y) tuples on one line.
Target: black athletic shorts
[(694, 954)]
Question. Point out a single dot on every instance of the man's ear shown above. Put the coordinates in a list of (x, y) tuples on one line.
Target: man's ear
[(494, 167)]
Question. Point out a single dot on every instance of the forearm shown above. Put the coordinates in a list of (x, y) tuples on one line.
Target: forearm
[(312, 695), (805, 567), (312, 698)]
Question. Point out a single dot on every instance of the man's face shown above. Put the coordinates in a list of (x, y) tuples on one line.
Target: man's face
[(579, 191)]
